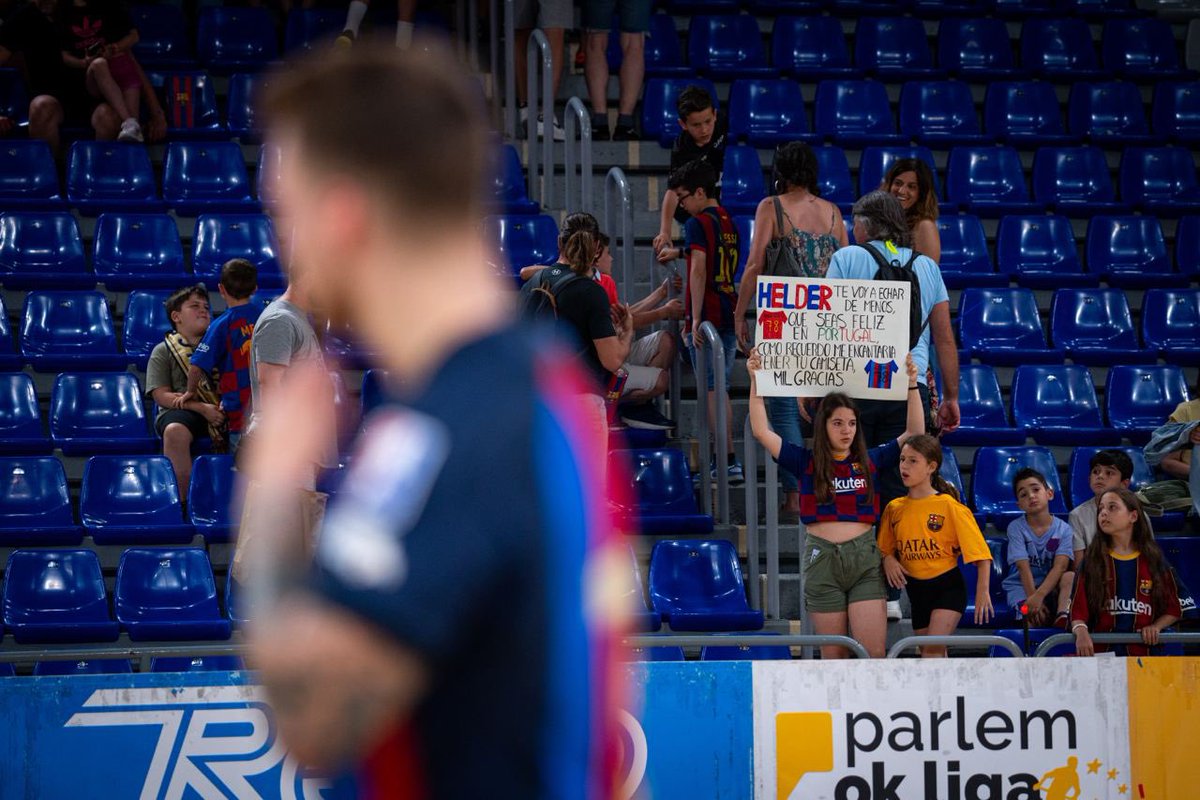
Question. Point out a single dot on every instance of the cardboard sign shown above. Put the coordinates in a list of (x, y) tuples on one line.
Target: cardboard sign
[(822, 335)]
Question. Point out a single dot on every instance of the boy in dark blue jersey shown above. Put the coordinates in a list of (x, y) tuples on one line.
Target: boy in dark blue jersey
[(450, 643)]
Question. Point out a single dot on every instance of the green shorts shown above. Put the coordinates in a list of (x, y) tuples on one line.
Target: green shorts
[(836, 575)]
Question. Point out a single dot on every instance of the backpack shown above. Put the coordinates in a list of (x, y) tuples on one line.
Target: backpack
[(893, 271), (539, 297)]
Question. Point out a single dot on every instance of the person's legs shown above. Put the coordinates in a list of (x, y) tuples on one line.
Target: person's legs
[(664, 354), (942, 622), (868, 626), (100, 84), (46, 119), (105, 123), (635, 24), (595, 70), (830, 623), (355, 14), (177, 447), (406, 14)]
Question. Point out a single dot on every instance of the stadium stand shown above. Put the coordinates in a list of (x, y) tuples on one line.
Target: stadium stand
[(95, 412), (698, 586), (138, 251), (69, 331), (21, 429), (28, 178), (111, 176), (132, 500), (766, 113), (57, 596), (36, 507), (662, 485), (168, 594), (42, 251), (1095, 327)]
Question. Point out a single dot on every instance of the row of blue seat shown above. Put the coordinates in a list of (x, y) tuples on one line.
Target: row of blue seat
[(927, 9), (161, 594), (813, 47), (119, 666)]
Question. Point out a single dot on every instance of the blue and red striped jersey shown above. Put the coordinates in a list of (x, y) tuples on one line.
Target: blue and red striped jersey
[(713, 233)]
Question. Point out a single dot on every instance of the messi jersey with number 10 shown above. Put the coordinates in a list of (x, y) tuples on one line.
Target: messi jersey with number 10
[(713, 233)]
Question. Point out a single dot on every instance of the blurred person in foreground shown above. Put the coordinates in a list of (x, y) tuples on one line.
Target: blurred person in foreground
[(454, 636)]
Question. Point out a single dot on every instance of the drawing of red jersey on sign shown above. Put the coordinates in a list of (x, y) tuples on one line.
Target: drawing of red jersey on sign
[(772, 324)]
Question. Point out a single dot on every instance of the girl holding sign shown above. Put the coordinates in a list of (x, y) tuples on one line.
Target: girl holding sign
[(843, 581)]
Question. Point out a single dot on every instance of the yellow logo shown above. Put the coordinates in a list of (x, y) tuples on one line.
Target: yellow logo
[(803, 744)]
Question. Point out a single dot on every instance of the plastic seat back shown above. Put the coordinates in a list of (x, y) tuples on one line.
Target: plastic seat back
[(91, 409), (1175, 111), (892, 44), (201, 175), (111, 176), (1038, 247), (951, 471), (697, 577), (975, 47), (1139, 398), (1023, 110), (1055, 397), (220, 237), (28, 178), (190, 104), (196, 664), (726, 45), (1187, 245), (742, 184), (244, 89), (129, 490), (965, 260), (846, 108), (1139, 46), (20, 419), (767, 112), (985, 175), (833, 175), (810, 47), (980, 401), (939, 111), (66, 324), (509, 190), (210, 497), (762, 652), (1110, 110), (232, 39), (42, 250), (1072, 175), (146, 323), (991, 480), (162, 40), (1097, 320), (56, 596), (1058, 47), (134, 251), (14, 99), (33, 494), (94, 666), (1171, 322), (1129, 250), (522, 240), (990, 318), (1159, 177), (169, 594), (1183, 553)]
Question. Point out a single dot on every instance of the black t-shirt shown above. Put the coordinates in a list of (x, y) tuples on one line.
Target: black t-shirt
[(583, 315), (685, 151), (30, 33), (100, 22)]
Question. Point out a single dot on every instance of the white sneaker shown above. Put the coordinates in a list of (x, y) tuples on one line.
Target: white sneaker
[(893, 610), (131, 131), (560, 133)]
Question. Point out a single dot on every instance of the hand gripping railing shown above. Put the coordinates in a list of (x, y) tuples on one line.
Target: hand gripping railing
[(751, 452), (576, 120), (616, 190), (711, 340), (539, 50), (955, 641), (1115, 638), (747, 640)]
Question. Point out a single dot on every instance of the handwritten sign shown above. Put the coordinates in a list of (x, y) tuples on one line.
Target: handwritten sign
[(822, 335)]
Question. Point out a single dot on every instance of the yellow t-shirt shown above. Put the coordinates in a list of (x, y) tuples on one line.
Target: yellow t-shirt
[(928, 535), (1186, 412)]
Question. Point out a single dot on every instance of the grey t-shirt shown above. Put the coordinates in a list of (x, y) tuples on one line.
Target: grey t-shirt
[(284, 336), (163, 371)]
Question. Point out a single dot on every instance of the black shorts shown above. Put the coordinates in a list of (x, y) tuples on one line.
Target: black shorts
[(947, 591), (189, 419)]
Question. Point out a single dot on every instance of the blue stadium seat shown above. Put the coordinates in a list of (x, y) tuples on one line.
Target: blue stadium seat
[(641, 617), (1171, 324), (146, 324), (727, 46), (196, 664), (522, 240), (206, 177), (244, 89), (662, 55), (35, 505), (162, 37), (95, 666), (811, 48), (1160, 180), (894, 48), (735, 652), (856, 9), (977, 49), (190, 104), (14, 100), (168, 594), (1130, 252), (1057, 405), (234, 605), (42, 250), (999, 567), (373, 393), (1060, 50), (988, 181), (266, 174), (856, 114), (1103, 9), (1002, 327), (697, 586), (662, 487), (69, 330), (312, 28), (1075, 182), (138, 251), (1109, 114), (991, 481), (833, 177), (1025, 114), (20, 420), (940, 114), (965, 260), (210, 497), (1141, 48), (660, 117), (236, 39), (767, 112), (1039, 251), (28, 178), (509, 192), (745, 228), (874, 163), (1187, 245), (56, 596), (111, 176), (655, 653), (8, 671), (220, 237), (1183, 553), (97, 412), (984, 419), (742, 184), (951, 471), (1095, 327), (1175, 111), (1036, 637), (9, 358), (1139, 399), (132, 500), (1080, 472)]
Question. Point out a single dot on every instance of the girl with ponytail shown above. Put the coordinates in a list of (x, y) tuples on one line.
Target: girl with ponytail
[(921, 536)]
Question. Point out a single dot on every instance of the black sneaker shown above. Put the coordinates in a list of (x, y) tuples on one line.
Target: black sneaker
[(600, 133), (645, 417), (625, 133)]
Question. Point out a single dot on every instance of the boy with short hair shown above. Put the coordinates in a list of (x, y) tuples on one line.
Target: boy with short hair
[(710, 295), (225, 348), (703, 138), (1039, 554), (1109, 469)]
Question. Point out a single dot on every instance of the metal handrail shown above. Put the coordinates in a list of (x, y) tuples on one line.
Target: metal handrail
[(141, 652), (751, 450), (675, 388), (750, 465), (576, 117), (510, 75), (746, 640), (1115, 638), (972, 640), (616, 189), (711, 340), (539, 47), (771, 477)]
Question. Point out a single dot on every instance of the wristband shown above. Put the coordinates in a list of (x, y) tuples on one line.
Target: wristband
[(1078, 625), (914, 388)]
